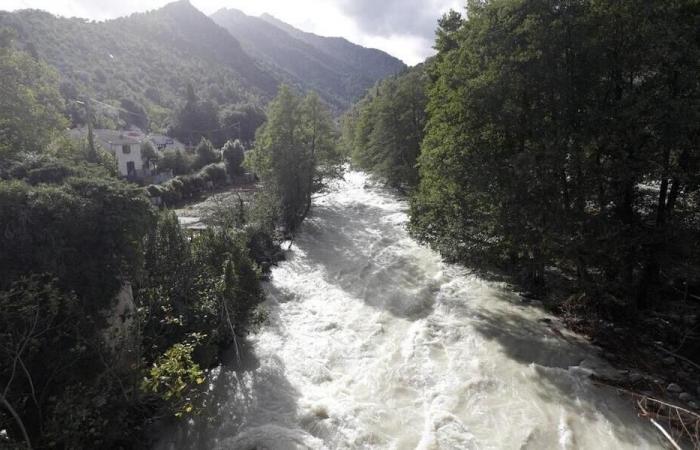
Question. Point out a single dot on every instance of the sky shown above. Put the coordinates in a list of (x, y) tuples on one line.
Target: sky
[(403, 28)]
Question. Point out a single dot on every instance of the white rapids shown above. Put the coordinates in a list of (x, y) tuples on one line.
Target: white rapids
[(373, 342)]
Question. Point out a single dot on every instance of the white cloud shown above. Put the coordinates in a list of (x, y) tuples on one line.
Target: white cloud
[(402, 28)]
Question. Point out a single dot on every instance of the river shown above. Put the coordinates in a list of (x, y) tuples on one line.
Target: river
[(373, 342)]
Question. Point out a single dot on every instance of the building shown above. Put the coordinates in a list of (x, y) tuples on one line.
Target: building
[(126, 146), (162, 142)]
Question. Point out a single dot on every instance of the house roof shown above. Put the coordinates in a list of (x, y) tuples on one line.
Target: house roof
[(115, 137), (107, 138)]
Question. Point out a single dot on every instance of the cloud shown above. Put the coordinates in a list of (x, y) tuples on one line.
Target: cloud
[(397, 17)]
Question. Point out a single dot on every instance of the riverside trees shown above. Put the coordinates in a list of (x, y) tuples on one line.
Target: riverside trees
[(294, 153), (74, 237), (566, 133), (383, 133)]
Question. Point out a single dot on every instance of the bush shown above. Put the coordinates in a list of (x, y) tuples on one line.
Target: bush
[(205, 154), (234, 154), (177, 161), (53, 172), (215, 173)]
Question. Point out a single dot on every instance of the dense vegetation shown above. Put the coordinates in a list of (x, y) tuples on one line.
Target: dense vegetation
[(143, 69), (143, 63), (341, 74), (111, 313), (565, 134), (295, 153), (383, 132)]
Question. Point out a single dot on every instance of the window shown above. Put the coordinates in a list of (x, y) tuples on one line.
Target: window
[(126, 149)]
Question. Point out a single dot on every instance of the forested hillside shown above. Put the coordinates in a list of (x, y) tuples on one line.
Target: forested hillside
[(567, 153), (338, 70), (383, 132), (146, 59)]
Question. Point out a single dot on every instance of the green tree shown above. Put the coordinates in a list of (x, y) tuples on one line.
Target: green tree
[(205, 154), (176, 161), (233, 154), (293, 151), (196, 120), (546, 122), (384, 132), (31, 107)]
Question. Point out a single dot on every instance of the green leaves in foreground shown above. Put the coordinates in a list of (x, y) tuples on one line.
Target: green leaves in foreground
[(174, 377)]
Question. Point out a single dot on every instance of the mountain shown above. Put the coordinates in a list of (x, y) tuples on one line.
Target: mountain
[(339, 70), (374, 63), (148, 58), (234, 63)]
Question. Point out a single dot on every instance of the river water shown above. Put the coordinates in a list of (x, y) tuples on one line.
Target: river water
[(373, 342)]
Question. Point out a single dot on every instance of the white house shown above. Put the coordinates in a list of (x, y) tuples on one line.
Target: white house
[(126, 147)]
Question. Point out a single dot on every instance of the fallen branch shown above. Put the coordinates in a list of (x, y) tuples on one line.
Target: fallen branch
[(663, 411), (666, 434)]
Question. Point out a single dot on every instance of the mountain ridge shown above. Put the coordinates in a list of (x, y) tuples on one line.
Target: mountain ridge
[(340, 70)]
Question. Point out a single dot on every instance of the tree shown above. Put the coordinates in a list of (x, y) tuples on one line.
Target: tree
[(132, 113), (205, 154), (234, 154), (196, 120), (30, 104), (293, 151), (546, 122), (176, 161), (384, 132)]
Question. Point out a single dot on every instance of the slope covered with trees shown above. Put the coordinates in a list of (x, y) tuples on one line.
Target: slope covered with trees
[(384, 131), (566, 134), (338, 70), (143, 62), (111, 313)]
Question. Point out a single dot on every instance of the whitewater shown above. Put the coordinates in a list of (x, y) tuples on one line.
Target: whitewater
[(372, 341)]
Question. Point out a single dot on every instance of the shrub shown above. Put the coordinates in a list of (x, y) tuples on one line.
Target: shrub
[(205, 154), (233, 154), (215, 173)]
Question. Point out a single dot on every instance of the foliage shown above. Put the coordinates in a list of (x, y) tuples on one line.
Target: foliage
[(89, 231), (383, 133), (233, 154), (295, 150), (196, 121), (147, 59), (177, 161), (173, 377), (241, 122), (565, 133), (133, 114), (215, 173), (30, 104), (205, 154)]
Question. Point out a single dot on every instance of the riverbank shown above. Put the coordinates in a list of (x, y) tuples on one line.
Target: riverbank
[(661, 382), (372, 340)]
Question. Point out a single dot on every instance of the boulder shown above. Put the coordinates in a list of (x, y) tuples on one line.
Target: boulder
[(673, 387)]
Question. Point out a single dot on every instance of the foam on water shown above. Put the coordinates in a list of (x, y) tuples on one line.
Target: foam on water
[(374, 342)]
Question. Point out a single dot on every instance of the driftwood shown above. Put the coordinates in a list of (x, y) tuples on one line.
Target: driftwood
[(682, 423)]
